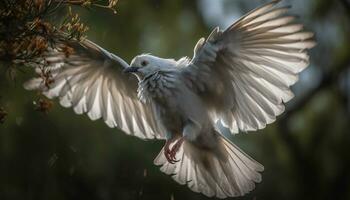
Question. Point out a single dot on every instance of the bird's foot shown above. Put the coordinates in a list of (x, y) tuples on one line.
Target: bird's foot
[(167, 150), (170, 154), (175, 149)]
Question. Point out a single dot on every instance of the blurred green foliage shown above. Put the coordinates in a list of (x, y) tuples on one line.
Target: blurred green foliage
[(60, 155)]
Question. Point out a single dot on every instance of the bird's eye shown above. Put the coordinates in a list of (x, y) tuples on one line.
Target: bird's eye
[(144, 63)]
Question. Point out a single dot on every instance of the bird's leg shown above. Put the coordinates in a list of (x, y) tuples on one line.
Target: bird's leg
[(190, 132), (167, 149), (175, 148)]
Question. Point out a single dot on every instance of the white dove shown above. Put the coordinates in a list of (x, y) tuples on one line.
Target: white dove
[(239, 77)]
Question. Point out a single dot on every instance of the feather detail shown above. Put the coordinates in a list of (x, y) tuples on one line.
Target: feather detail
[(244, 73), (91, 81), (159, 86), (225, 171)]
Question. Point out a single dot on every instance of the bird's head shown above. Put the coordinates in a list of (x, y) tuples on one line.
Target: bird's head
[(145, 64)]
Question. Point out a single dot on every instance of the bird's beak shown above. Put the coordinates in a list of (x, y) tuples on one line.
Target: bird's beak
[(131, 70)]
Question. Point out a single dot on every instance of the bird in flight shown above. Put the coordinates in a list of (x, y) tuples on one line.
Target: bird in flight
[(239, 77)]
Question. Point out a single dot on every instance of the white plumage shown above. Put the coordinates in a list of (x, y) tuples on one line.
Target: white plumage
[(240, 77)]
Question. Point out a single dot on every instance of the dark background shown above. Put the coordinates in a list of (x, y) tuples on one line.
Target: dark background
[(306, 153)]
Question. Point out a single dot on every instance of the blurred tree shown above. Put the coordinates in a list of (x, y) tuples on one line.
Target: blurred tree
[(26, 33)]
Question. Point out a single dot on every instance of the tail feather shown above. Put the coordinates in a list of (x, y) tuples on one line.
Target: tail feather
[(224, 172)]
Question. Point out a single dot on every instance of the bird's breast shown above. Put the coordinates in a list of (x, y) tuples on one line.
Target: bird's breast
[(158, 87)]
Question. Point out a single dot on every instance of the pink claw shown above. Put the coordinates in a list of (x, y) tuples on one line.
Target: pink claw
[(170, 154)]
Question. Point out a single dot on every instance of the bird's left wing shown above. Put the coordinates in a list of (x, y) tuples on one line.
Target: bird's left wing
[(244, 73), (91, 80)]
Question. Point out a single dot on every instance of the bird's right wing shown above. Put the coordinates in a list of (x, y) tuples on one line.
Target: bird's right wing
[(91, 80)]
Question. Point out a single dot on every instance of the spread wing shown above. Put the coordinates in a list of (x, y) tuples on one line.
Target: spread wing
[(244, 73), (90, 80)]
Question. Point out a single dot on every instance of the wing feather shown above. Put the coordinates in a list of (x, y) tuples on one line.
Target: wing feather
[(91, 81), (244, 73)]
